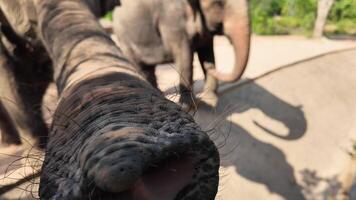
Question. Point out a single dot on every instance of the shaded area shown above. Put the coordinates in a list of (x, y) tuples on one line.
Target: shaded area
[(254, 159), (311, 180), (12, 186), (271, 130)]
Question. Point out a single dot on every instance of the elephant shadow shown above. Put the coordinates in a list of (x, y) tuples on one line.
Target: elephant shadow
[(254, 158)]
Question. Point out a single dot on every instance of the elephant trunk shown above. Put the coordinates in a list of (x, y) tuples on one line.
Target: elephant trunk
[(131, 162), (113, 135), (237, 29), (127, 142)]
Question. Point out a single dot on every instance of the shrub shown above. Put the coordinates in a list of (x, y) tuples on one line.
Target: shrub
[(282, 16), (343, 9), (271, 17)]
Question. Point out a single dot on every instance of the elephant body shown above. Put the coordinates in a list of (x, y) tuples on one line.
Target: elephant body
[(113, 135), (156, 32), (25, 73)]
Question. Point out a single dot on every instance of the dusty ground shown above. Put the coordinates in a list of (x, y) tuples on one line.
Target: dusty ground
[(283, 136)]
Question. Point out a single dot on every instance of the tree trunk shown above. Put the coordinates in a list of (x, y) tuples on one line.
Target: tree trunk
[(322, 14)]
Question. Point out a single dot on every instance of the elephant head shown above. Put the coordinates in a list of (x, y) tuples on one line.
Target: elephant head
[(232, 17)]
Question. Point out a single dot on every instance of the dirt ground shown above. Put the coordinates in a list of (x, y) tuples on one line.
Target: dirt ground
[(284, 132)]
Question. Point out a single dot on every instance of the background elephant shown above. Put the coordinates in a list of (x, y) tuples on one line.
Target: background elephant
[(156, 32), (26, 71), (113, 135)]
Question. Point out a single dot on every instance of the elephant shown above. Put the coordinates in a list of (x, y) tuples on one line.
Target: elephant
[(152, 32), (113, 135), (26, 71)]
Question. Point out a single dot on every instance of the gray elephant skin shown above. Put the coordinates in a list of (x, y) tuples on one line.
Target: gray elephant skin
[(152, 32), (113, 135), (26, 70)]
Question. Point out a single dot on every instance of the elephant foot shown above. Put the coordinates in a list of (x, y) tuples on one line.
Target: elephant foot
[(210, 98)]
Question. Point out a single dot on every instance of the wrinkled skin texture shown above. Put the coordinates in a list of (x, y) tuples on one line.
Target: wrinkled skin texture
[(113, 135), (153, 32)]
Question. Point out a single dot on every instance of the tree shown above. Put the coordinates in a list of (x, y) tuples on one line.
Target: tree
[(324, 7)]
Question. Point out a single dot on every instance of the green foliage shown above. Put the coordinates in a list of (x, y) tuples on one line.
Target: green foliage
[(343, 9), (271, 17), (342, 27), (282, 16), (342, 18), (108, 16)]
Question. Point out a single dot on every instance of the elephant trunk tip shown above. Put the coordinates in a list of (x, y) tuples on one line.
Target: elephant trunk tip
[(125, 165)]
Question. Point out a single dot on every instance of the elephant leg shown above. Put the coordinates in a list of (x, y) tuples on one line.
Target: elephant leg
[(179, 42), (185, 69), (183, 55), (23, 83), (149, 72), (31, 88), (207, 61), (9, 134)]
